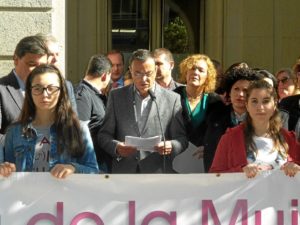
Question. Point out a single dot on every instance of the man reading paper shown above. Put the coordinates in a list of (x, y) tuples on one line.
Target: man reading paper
[(132, 111)]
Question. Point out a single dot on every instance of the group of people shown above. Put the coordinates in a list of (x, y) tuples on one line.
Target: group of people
[(233, 118)]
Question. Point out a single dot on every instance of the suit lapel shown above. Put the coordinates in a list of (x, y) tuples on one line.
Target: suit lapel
[(131, 114), (13, 89), (153, 111)]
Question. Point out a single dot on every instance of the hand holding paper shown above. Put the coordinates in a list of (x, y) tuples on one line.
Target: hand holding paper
[(143, 144)]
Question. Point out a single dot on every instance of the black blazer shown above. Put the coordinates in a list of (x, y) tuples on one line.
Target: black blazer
[(11, 100), (195, 134)]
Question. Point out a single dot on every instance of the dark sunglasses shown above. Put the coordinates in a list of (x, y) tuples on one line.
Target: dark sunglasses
[(283, 80)]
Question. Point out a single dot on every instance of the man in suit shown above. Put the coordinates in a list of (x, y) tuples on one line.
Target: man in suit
[(143, 109), (30, 52), (117, 60), (91, 102)]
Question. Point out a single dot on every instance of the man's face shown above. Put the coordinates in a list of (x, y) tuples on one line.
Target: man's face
[(53, 54), (27, 63), (164, 67), (143, 75), (117, 66)]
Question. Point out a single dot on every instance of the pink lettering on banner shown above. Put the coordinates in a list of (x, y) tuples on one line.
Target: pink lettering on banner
[(208, 206), (280, 217), (86, 215), (56, 220), (295, 212), (258, 217), (240, 206), (170, 218)]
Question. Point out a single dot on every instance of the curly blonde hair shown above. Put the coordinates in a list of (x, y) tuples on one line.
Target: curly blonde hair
[(190, 61)]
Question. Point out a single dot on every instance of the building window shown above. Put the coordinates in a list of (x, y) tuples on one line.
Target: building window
[(130, 24)]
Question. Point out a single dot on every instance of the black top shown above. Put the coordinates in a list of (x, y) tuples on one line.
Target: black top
[(292, 105), (196, 134), (91, 108)]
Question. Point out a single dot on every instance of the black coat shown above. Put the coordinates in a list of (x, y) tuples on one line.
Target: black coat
[(292, 105), (196, 134)]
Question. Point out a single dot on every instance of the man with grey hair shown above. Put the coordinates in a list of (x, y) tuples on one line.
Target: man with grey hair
[(91, 102), (143, 109)]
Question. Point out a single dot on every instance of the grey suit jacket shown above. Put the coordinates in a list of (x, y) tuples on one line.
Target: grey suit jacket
[(11, 101), (120, 121)]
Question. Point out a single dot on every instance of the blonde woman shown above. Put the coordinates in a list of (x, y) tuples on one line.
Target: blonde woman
[(197, 96)]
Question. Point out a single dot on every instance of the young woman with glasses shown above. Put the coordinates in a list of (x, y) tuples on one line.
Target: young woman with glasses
[(48, 135)]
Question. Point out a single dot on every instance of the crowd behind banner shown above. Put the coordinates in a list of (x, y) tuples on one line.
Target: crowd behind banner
[(242, 120)]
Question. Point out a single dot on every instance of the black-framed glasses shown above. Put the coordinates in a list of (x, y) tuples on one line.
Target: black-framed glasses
[(50, 89), (283, 80)]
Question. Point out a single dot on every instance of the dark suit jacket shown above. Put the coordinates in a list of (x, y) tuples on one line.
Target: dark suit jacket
[(120, 121), (11, 100)]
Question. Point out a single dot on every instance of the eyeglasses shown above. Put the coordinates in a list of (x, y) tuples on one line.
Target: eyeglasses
[(50, 89), (283, 80), (148, 74)]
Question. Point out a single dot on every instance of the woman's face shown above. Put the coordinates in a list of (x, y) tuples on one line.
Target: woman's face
[(238, 95), (286, 86), (260, 105), (45, 90), (197, 75)]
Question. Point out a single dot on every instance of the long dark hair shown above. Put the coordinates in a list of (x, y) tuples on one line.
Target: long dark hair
[(275, 124), (66, 124)]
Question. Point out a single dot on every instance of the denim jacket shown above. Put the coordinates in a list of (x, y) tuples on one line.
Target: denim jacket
[(20, 150)]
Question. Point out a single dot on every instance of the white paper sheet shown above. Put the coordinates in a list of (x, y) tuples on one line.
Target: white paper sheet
[(142, 144)]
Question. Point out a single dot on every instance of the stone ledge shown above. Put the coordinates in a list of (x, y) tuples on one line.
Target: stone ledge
[(26, 3)]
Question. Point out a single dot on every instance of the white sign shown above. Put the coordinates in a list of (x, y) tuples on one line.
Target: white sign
[(157, 199)]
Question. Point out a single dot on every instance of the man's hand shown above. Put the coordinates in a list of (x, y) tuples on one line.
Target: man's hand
[(7, 168), (125, 150), (162, 149), (61, 171)]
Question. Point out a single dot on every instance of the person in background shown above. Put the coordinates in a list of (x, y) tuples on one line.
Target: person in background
[(287, 83), (292, 104), (223, 116), (54, 58), (143, 109), (30, 52), (117, 60), (260, 143), (48, 136), (165, 64), (91, 102), (197, 97)]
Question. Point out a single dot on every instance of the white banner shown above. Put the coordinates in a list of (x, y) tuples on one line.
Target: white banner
[(190, 199)]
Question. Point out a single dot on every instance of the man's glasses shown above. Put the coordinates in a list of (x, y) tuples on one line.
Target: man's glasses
[(283, 80), (38, 90)]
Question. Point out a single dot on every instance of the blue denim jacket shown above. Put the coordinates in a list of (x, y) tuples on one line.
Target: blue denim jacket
[(20, 150)]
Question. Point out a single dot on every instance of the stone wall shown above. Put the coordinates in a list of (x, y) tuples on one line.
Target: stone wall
[(20, 18)]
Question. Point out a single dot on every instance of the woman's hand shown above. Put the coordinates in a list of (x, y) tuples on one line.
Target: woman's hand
[(251, 170), (199, 152), (61, 171), (7, 168), (290, 169)]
